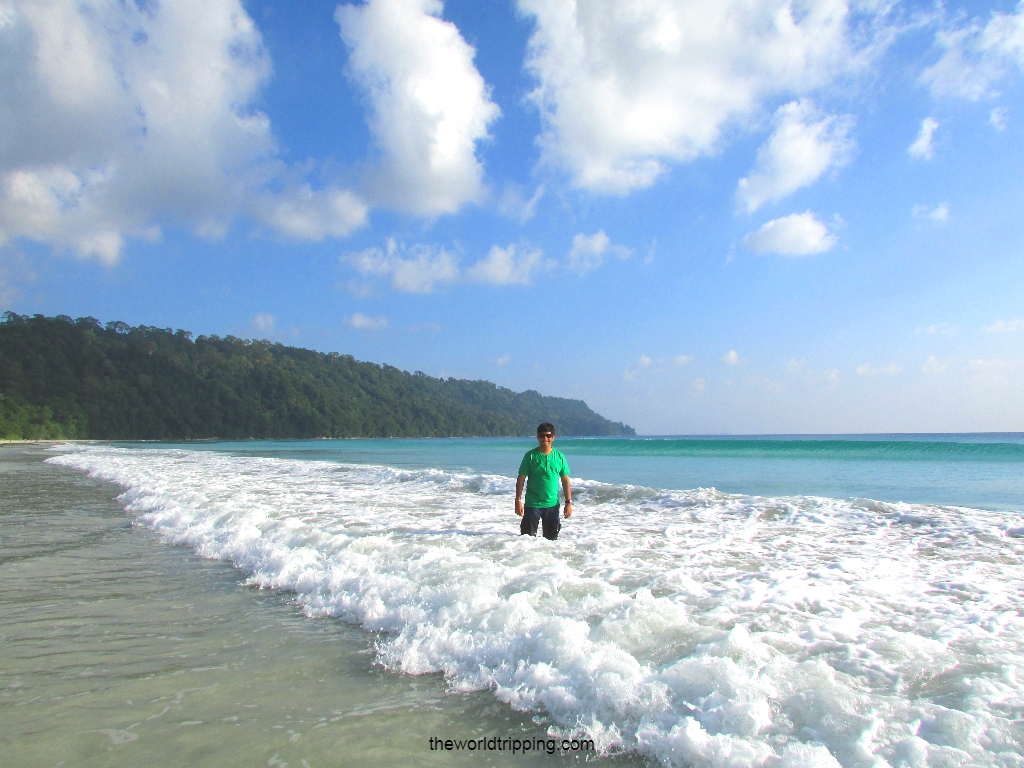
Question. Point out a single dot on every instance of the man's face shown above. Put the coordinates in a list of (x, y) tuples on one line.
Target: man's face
[(544, 440)]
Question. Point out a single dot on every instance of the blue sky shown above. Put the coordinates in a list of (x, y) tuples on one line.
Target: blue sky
[(702, 216)]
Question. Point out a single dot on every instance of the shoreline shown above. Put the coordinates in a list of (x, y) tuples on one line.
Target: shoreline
[(206, 667)]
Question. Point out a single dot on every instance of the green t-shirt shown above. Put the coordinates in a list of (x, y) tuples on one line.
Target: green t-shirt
[(542, 473)]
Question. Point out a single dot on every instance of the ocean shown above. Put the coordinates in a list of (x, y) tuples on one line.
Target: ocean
[(776, 602)]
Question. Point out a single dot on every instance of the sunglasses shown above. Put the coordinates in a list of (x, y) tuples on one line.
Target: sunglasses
[(545, 435)]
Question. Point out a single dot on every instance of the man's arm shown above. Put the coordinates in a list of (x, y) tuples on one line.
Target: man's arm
[(520, 482), (567, 492)]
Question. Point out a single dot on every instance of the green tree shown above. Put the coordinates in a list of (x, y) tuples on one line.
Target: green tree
[(122, 382)]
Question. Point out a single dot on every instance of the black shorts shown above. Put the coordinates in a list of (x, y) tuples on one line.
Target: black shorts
[(548, 516)]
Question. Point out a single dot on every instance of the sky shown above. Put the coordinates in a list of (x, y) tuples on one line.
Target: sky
[(699, 216)]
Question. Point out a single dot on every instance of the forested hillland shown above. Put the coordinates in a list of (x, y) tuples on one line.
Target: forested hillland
[(79, 379)]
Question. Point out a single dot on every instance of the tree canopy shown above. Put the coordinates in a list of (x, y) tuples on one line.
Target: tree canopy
[(77, 378)]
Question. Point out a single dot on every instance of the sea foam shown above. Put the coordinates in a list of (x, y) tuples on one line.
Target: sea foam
[(694, 627)]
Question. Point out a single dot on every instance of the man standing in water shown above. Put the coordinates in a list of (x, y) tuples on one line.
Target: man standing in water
[(540, 471)]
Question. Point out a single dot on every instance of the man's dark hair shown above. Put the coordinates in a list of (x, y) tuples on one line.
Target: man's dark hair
[(546, 427)]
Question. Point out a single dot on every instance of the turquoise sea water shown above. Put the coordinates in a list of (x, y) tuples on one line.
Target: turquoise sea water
[(728, 602), (978, 470)]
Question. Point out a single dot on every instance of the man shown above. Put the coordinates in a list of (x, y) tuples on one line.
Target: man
[(540, 471)]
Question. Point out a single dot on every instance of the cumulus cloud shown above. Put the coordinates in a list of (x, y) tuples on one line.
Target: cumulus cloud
[(998, 119), (644, 361), (922, 148), (1005, 326), (117, 118), (419, 269), (423, 268), (625, 88), (978, 55), (429, 106), (682, 359), (361, 322), (799, 234), (264, 322), (502, 361), (699, 385), (731, 358), (308, 215), (804, 144), (939, 214), (507, 266), (588, 251)]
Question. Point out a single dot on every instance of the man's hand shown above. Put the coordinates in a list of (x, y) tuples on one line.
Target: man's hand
[(519, 507), (568, 510)]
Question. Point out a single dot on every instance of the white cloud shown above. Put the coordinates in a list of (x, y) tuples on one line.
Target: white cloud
[(513, 202), (423, 268), (652, 249), (644, 361), (507, 266), (803, 146), (977, 56), (682, 359), (264, 322), (308, 215), (998, 119), (503, 361), (624, 88), (119, 117), (588, 251), (874, 370), (799, 234), (362, 322), (419, 269), (699, 385), (833, 376), (939, 214), (1005, 326), (731, 357), (939, 329), (429, 106), (922, 148)]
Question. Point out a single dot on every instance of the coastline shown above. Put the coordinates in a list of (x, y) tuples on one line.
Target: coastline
[(157, 651)]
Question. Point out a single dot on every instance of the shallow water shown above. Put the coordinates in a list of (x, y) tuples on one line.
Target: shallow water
[(690, 627), (119, 650)]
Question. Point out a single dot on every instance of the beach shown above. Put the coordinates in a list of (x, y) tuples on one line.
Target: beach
[(329, 602), (121, 650)]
